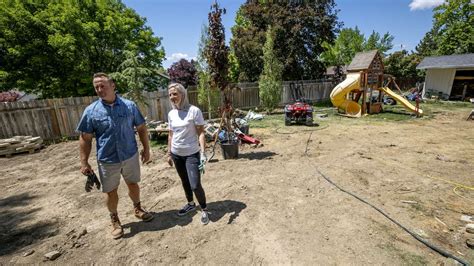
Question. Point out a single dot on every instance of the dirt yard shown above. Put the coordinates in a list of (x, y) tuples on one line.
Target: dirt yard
[(270, 206)]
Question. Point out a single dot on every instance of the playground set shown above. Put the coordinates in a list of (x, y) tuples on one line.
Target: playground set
[(367, 83)]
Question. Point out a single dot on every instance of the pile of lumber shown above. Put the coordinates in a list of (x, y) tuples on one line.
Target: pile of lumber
[(19, 144)]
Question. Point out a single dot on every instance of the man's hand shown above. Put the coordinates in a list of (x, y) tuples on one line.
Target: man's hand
[(145, 155), (86, 168), (170, 160), (202, 163)]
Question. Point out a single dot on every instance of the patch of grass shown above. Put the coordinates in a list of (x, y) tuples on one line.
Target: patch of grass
[(268, 121), (326, 103), (436, 107), (391, 113), (450, 105)]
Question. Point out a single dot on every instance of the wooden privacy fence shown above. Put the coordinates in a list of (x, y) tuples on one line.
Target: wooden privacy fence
[(49, 119), (56, 118)]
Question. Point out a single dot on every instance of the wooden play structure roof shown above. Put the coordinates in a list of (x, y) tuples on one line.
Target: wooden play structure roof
[(366, 61), (447, 61)]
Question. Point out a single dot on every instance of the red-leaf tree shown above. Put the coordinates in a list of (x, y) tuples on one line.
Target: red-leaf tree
[(217, 52), (9, 96), (183, 72)]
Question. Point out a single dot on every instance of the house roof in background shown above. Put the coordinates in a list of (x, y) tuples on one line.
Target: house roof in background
[(362, 60), (330, 70), (447, 61)]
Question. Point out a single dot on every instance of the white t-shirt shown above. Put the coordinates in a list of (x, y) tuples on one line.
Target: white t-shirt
[(183, 124)]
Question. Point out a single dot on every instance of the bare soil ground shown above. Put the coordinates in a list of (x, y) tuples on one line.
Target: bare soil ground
[(270, 206)]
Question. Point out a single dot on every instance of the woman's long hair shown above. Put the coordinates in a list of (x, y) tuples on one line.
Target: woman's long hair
[(184, 103)]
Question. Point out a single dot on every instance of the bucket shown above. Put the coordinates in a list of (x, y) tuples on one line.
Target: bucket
[(244, 129), (230, 150)]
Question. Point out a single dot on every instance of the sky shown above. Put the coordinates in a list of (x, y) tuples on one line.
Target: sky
[(179, 22)]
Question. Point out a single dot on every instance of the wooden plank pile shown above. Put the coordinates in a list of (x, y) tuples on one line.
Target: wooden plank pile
[(19, 144)]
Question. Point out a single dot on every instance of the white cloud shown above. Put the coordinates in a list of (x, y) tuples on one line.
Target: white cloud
[(177, 57), (424, 4)]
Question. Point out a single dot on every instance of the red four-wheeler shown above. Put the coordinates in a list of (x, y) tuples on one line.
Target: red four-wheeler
[(299, 112)]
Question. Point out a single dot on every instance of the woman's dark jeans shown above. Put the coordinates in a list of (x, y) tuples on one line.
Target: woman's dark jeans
[(188, 171)]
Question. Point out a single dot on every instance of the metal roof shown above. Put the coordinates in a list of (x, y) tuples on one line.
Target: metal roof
[(362, 60), (447, 61)]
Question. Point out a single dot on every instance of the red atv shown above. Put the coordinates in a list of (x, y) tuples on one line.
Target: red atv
[(301, 111)]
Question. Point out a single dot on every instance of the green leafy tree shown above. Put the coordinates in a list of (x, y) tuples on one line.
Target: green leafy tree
[(133, 77), (234, 69), (348, 43), (454, 21), (402, 64), (427, 46), (52, 48), (301, 28), (375, 42), (452, 31), (270, 80), (201, 60)]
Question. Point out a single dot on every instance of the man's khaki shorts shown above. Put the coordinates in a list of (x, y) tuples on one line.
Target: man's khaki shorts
[(109, 173)]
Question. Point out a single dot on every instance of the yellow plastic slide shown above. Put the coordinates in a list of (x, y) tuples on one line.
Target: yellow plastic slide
[(339, 95), (401, 100)]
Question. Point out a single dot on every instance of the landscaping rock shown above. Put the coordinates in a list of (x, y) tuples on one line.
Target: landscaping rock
[(470, 242), (28, 253), (470, 228), (52, 255)]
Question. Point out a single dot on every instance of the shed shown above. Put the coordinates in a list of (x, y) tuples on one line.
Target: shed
[(449, 76)]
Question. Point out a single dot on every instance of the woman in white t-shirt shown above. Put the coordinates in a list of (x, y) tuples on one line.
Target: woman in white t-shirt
[(186, 146)]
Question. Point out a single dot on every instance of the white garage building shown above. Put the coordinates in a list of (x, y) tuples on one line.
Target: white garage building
[(449, 77)]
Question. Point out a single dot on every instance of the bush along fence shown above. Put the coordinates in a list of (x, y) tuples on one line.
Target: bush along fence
[(54, 119)]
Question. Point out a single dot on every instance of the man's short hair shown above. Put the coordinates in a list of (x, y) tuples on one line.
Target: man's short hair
[(103, 75)]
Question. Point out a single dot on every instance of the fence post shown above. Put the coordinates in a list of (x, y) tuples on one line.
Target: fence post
[(54, 118)]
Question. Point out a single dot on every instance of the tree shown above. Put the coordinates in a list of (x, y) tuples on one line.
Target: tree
[(452, 31), (427, 46), (217, 52), (9, 96), (348, 43), (183, 72), (52, 48), (374, 42), (206, 96), (133, 78), (402, 64), (301, 28), (234, 69), (270, 80), (454, 21)]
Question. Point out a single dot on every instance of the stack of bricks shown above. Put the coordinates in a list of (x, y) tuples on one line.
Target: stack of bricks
[(19, 144)]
